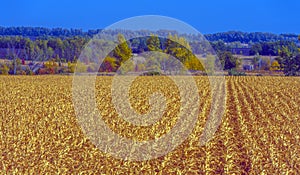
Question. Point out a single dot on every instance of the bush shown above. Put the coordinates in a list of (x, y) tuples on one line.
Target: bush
[(62, 70), (20, 72), (81, 67), (42, 71), (71, 67), (234, 72), (151, 73), (93, 67), (4, 69)]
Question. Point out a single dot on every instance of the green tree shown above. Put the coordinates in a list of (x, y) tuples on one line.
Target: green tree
[(210, 64), (219, 46), (123, 52), (265, 63), (255, 60), (153, 43), (49, 53), (291, 62), (126, 67), (153, 63), (228, 61), (256, 49)]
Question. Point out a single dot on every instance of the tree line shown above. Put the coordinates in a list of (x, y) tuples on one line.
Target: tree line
[(227, 37), (63, 47), (252, 37)]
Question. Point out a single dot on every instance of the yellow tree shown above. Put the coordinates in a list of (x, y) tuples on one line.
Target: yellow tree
[(193, 63), (180, 48), (4, 69), (275, 66), (71, 67)]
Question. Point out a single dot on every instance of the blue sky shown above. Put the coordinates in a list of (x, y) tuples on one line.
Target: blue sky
[(209, 16)]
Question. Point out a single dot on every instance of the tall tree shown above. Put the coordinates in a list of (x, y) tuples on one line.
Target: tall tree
[(180, 48), (153, 43), (14, 50), (291, 62), (255, 61), (123, 52), (228, 61)]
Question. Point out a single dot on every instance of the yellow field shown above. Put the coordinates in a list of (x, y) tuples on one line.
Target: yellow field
[(259, 133)]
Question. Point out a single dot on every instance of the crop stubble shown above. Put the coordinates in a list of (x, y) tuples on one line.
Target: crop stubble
[(259, 132)]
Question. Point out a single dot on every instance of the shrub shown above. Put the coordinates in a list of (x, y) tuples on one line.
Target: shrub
[(20, 72), (151, 73), (234, 72), (42, 71), (71, 67), (4, 69)]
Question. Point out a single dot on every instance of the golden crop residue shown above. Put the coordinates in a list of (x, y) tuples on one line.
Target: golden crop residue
[(259, 133)]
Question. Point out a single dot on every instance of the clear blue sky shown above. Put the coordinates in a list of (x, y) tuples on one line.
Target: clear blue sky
[(208, 16)]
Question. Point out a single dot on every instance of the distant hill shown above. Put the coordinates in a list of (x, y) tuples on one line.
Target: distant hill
[(254, 37), (227, 37)]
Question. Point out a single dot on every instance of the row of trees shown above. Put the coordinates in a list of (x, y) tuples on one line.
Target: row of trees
[(228, 37), (261, 48), (272, 48), (42, 43), (163, 55), (64, 46), (178, 47), (41, 49), (69, 49), (34, 32), (120, 59), (254, 37), (287, 60)]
